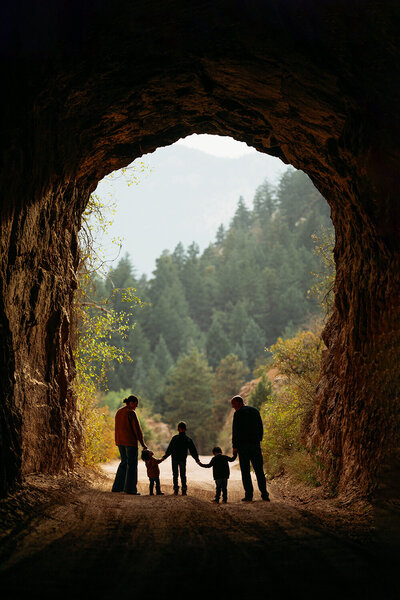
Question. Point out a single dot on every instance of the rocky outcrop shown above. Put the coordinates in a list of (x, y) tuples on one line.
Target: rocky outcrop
[(91, 86)]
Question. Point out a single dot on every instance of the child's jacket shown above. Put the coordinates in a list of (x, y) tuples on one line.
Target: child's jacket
[(179, 446), (220, 466), (153, 470)]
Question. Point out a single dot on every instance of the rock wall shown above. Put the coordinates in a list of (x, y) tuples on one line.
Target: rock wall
[(91, 86), (41, 431)]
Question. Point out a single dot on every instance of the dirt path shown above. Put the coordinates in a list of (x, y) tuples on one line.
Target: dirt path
[(86, 542)]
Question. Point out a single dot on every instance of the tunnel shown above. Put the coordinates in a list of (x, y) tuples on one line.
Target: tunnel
[(90, 86)]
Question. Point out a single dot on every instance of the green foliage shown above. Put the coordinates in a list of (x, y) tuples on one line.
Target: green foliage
[(281, 431), (217, 344), (113, 399), (237, 297), (261, 392), (230, 375), (98, 325), (288, 410), (299, 359), (189, 397)]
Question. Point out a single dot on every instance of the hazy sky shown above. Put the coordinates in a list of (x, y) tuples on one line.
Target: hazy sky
[(217, 145), (188, 190)]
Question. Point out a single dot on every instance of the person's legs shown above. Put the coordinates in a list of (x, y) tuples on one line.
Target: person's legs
[(224, 489), (244, 462), (175, 467), (218, 489), (119, 481), (131, 470), (257, 462), (151, 487), (182, 469), (158, 485)]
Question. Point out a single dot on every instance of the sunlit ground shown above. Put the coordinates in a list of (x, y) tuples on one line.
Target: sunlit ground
[(193, 471)]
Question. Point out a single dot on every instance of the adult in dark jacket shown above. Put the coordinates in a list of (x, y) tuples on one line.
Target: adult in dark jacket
[(247, 433), (178, 449)]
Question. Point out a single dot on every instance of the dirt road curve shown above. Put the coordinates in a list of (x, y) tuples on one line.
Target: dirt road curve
[(86, 542)]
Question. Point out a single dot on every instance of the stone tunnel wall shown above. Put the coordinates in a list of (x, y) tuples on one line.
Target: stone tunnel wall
[(92, 86), (41, 431)]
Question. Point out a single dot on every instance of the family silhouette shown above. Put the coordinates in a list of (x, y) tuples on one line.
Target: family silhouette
[(247, 434)]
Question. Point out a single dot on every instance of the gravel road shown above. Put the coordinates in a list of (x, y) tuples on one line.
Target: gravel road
[(82, 541)]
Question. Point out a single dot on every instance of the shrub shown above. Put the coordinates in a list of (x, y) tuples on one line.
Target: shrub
[(97, 425), (281, 431), (288, 410)]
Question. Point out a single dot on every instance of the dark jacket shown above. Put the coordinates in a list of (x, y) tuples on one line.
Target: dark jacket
[(179, 446), (247, 427), (220, 467)]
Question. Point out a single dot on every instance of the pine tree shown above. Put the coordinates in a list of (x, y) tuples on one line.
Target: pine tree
[(253, 342), (242, 218), (189, 397), (229, 377), (178, 256), (217, 342), (219, 238), (238, 322), (168, 317), (122, 277), (162, 356), (297, 196), (264, 204)]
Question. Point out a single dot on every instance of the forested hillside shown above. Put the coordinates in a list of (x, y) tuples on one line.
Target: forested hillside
[(225, 304)]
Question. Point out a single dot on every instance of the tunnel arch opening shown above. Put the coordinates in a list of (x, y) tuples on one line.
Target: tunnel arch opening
[(210, 70), (174, 259)]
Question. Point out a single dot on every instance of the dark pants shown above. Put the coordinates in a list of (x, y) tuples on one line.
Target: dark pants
[(179, 468), (251, 453), (126, 476), (154, 480), (221, 486)]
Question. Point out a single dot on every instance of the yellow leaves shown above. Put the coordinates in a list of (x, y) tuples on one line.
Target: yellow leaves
[(298, 356), (282, 423), (97, 324), (290, 407)]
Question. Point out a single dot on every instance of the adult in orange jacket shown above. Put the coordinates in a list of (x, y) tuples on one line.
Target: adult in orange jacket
[(128, 434)]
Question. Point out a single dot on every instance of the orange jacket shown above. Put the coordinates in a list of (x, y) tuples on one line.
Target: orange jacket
[(127, 428)]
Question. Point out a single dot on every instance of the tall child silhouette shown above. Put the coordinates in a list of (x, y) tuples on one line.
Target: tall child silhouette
[(178, 449)]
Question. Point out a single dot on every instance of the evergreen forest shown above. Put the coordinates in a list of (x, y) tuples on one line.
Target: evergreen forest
[(206, 319)]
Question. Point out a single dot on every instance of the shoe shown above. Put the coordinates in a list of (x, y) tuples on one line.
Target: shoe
[(225, 501), (151, 494), (266, 498), (160, 493), (176, 492), (247, 499), (184, 494), (215, 501)]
